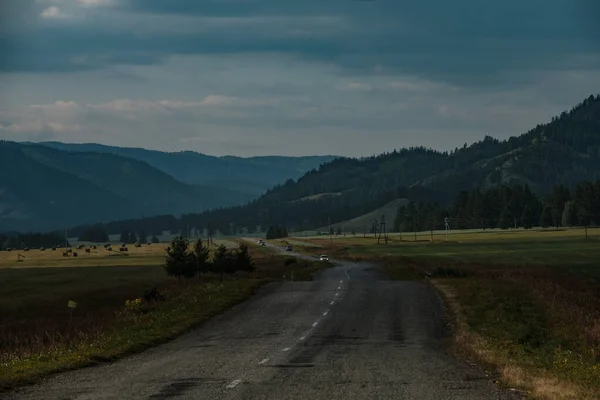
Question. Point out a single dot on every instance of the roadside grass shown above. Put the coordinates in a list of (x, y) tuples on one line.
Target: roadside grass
[(547, 351), (125, 331), (526, 306), (39, 336)]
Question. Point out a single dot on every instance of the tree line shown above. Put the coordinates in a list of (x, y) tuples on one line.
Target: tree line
[(277, 232), (505, 207), (131, 237), (19, 241), (185, 262)]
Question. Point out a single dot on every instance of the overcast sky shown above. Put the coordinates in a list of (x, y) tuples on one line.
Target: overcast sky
[(259, 77)]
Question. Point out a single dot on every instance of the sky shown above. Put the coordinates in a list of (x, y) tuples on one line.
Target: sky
[(310, 77)]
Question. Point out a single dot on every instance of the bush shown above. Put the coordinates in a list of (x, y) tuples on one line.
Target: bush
[(154, 295), (291, 260)]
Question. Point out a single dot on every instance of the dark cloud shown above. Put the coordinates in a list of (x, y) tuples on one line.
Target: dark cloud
[(468, 42)]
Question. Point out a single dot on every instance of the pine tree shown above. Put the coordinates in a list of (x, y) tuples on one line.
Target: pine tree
[(201, 257), (505, 219), (546, 217), (125, 237), (243, 259), (179, 261), (222, 262), (142, 237)]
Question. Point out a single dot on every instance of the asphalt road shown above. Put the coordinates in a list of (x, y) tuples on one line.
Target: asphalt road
[(349, 334)]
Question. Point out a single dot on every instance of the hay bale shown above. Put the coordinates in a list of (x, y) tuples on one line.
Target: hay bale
[(87, 250), (74, 254)]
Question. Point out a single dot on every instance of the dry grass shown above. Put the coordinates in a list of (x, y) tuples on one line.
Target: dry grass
[(153, 254), (536, 362)]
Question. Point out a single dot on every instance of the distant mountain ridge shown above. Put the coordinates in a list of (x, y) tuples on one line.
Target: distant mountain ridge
[(250, 177), (564, 151), (46, 187)]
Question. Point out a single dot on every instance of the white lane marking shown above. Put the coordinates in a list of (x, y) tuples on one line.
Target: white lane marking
[(315, 323), (302, 338), (342, 281), (346, 272), (337, 294), (332, 303), (286, 349), (234, 384), (339, 288), (325, 313), (266, 360)]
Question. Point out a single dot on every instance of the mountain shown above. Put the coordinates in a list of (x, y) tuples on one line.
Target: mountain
[(46, 188), (249, 177), (564, 151)]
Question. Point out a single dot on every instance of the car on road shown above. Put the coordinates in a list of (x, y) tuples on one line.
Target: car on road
[(288, 248), (324, 258)]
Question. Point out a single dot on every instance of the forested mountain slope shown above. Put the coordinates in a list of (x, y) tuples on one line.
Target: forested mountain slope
[(564, 151)]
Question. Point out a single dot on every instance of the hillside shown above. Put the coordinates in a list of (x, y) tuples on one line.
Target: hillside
[(363, 223), (248, 177), (564, 151), (45, 188)]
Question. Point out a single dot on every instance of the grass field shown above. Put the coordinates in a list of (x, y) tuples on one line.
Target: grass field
[(153, 254), (564, 249), (39, 334), (364, 222)]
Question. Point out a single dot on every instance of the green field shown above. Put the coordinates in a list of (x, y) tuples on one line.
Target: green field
[(568, 250)]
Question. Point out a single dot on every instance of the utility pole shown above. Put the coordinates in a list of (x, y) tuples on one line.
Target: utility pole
[(330, 239), (382, 228), (432, 223)]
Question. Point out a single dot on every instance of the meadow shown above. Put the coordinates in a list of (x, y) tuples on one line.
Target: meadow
[(116, 311)]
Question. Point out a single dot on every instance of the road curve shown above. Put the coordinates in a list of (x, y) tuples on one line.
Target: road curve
[(349, 334)]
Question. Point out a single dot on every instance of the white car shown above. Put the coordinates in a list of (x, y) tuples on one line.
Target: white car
[(324, 258)]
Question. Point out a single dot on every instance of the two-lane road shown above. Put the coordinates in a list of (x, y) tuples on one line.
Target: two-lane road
[(349, 334)]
